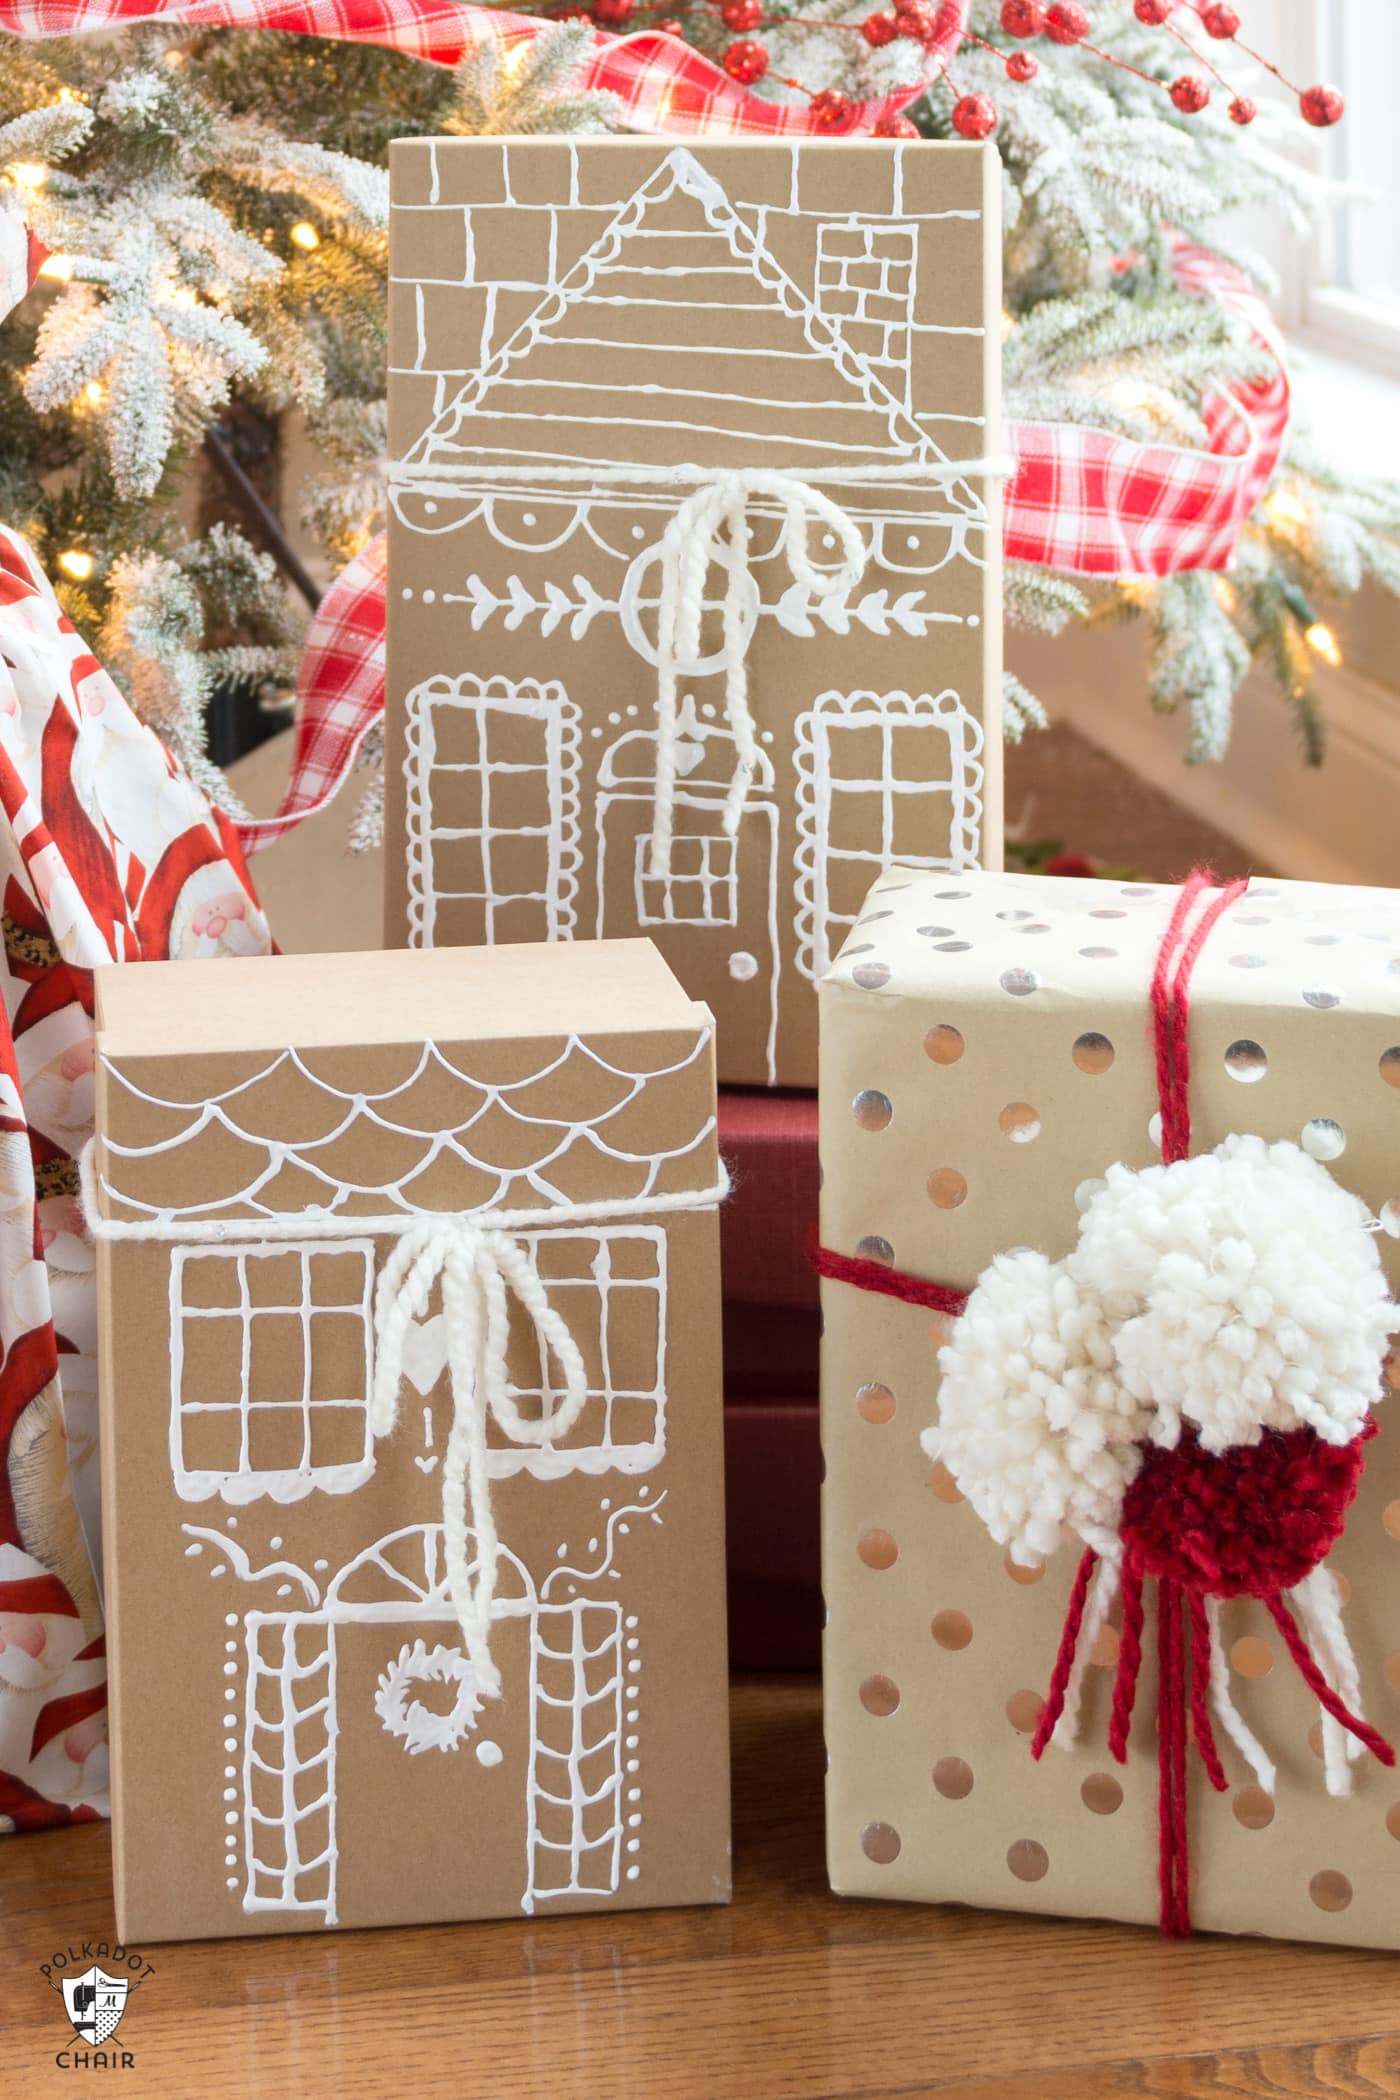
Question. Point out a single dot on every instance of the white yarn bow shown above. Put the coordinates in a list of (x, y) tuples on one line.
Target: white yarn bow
[(478, 1265), (692, 541)]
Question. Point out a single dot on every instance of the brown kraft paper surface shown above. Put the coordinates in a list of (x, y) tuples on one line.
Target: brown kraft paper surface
[(617, 303), (984, 1053), (282, 1636)]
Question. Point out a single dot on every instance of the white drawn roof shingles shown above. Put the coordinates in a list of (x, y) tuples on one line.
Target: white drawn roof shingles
[(676, 336)]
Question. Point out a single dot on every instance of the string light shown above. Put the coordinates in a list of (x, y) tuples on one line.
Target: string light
[(28, 174), (1226, 595), (1284, 508), (305, 235), (77, 563), (1321, 640), (59, 267)]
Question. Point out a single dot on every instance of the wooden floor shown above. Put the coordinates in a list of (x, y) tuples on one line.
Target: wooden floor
[(789, 1995)]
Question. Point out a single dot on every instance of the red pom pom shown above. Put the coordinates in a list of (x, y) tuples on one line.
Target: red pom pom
[(831, 108), (895, 128), (1256, 1519), (1190, 93), (1022, 17), (879, 29), (1242, 110), (1219, 20), (1067, 23), (613, 14), (975, 117), (746, 62), (1021, 66), (1321, 106), (1152, 12), (741, 15)]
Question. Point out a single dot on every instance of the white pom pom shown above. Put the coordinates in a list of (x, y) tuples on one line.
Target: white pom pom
[(1033, 1423), (1243, 1292)]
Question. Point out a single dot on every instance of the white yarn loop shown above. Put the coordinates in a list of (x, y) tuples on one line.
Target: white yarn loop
[(478, 1260), (713, 525), (1319, 1602), (1226, 1711), (478, 1266)]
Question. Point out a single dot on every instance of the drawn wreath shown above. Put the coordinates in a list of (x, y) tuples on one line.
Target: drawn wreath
[(407, 1717)]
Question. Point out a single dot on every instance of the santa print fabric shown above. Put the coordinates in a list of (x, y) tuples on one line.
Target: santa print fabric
[(107, 853)]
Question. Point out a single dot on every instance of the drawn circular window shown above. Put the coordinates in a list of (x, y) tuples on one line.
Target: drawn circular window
[(419, 1725), (635, 601)]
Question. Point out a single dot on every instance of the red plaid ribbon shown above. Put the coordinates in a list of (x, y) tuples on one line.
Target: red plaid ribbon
[(1081, 500)]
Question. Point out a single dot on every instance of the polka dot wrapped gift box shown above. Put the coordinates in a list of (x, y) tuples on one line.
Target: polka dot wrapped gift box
[(1109, 1238)]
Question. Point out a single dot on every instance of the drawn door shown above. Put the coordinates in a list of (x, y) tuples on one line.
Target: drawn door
[(492, 811), (714, 913), (431, 1780), (882, 778)]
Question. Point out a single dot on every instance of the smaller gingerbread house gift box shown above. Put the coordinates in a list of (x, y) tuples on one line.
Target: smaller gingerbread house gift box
[(694, 603), (1110, 1225), (412, 1452)]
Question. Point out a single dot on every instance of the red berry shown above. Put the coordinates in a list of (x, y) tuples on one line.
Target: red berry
[(741, 15), (1021, 66), (1067, 23), (1152, 12), (1321, 106), (1219, 20), (746, 62), (914, 21), (831, 108), (1022, 17), (1190, 93), (879, 29), (975, 117), (613, 14), (895, 128), (670, 27), (1242, 110)]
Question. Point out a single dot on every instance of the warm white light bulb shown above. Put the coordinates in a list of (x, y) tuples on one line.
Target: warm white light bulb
[(1321, 640), (77, 563), (305, 235)]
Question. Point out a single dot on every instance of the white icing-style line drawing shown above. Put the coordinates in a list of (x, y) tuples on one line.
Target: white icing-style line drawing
[(482, 1101), (576, 1686), (225, 1442), (929, 781), (455, 728), (703, 886), (419, 1726)]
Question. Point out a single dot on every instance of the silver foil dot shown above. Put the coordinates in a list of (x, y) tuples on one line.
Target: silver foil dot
[(872, 1109), (875, 1248), (1019, 982), (1322, 1138), (870, 976), (1323, 997), (1246, 1061)]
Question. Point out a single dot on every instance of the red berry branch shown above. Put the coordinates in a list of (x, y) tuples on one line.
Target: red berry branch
[(928, 22)]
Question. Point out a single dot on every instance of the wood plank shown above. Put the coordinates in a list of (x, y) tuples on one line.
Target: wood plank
[(791, 1994)]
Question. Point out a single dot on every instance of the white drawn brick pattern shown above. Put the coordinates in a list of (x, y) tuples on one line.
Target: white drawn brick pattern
[(865, 282)]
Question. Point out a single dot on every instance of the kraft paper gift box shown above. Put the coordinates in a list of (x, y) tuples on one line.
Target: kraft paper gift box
[(306, 1605), (985, 1054), (586, 338)]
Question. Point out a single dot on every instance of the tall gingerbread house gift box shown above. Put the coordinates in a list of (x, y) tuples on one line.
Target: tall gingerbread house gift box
[(694, 597), (1110, 1226), (412, 1439)]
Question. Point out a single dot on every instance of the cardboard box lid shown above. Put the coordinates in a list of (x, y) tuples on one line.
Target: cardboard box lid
[(459, 995)]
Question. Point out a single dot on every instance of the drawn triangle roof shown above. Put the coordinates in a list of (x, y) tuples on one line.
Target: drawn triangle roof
[(676, 335)]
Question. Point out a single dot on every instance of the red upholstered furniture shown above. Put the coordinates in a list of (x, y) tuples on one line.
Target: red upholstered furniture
[(771, 1330)]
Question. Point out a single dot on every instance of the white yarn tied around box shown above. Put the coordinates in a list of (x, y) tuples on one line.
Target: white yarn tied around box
[(715, 518), (478, 1260)]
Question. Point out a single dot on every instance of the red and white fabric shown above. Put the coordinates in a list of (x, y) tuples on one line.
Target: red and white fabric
[(108, 853), (665, 83)]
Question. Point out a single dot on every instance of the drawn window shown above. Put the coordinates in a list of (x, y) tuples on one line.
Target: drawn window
[(865, 285), (496, 807), (270, 1369), (702, 888), (610, 1287), (889, 778)]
